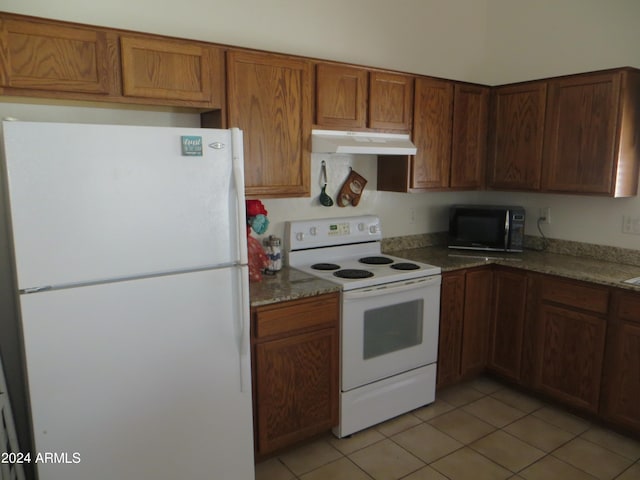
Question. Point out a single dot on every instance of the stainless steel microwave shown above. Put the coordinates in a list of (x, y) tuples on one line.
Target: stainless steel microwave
[(486, 227)]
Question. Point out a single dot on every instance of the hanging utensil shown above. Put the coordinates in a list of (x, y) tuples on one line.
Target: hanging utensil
[(324, 198)]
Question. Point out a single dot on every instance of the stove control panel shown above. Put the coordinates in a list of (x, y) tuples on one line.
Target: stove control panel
[(325, 232), (338, 229)]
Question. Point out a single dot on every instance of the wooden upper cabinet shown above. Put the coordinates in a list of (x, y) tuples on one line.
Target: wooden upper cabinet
[(341, 96), (432, 125), (269, 98), (55, 58), (591, 134), (469, 143), (355, 98), (516, 133), (166, 69), (390, 101), (450, 131), (58, 60)]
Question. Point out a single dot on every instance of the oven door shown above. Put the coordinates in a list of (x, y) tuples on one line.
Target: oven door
[(389, 329)]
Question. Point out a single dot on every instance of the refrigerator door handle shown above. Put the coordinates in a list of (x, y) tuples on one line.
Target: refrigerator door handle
[(238, 176), (243, 334)]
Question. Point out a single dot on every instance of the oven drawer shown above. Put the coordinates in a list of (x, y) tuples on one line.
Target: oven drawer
[(290, 317)]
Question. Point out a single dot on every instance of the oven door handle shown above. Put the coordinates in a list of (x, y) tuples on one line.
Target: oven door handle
[(404, 286)]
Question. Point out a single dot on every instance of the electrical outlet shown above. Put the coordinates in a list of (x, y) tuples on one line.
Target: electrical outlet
[(412, 216), (631, 225), (545, 215)]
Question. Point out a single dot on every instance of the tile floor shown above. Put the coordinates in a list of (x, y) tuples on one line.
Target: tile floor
[(480, 430)]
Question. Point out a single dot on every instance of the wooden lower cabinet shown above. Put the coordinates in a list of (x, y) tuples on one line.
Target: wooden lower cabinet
[(450, 334), (621, 379), (507, 322), (570, 341), (475, 327), (570, 356), (465, 307), (574, 342), (295, 371)]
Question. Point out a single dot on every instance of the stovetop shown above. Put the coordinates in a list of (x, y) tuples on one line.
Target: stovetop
[(347, 251)]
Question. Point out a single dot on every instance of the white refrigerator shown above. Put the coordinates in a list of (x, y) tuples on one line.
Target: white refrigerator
[(131, 264)]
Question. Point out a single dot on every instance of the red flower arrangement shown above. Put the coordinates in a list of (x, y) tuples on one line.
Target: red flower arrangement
[(256, 220), (256, 217)]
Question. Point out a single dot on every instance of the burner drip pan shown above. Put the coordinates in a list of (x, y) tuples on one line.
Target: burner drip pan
[(325, 266), (405, 266), (377, 260), (353, 273)]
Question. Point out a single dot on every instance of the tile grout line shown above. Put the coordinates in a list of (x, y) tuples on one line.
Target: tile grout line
[(461, 407), (546, 454)]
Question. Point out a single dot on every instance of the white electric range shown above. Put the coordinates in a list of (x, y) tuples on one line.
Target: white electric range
[(389, 317)]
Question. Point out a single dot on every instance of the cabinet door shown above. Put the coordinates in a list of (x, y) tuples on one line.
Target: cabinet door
[(296, 384), (54, 58), (570, 356), (477, 313), (580, 131), (269, 98), (432, 124), (621, 387), (390, 101), (341, 96), (516, 138), (507, 322), (450, 334), (172, 70), (470, 117)]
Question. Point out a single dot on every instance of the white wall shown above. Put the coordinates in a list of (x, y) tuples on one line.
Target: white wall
[(537, 39), (529, 39), (436, 37), (485, 41)]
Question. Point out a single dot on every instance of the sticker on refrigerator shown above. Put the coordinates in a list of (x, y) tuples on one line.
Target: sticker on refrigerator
[(191, 146)]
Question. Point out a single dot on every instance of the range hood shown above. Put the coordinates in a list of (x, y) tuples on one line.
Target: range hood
[(371, 143)]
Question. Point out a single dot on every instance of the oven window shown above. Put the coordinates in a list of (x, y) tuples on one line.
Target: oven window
[(391, 328)]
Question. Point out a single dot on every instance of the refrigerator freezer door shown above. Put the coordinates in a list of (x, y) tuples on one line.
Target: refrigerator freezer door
[(142, 379), (95, 202)]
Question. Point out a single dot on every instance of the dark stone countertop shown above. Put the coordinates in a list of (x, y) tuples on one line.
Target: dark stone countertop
[(577, 268), (288, 284), (292, 284)]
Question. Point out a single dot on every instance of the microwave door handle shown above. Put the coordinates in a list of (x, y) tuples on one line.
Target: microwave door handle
[(507, 226)]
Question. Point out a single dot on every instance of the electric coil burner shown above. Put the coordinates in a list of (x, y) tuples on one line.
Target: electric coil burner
[(389, 317), (405, 266), (325, 266), (376, 260), (353, 273)]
